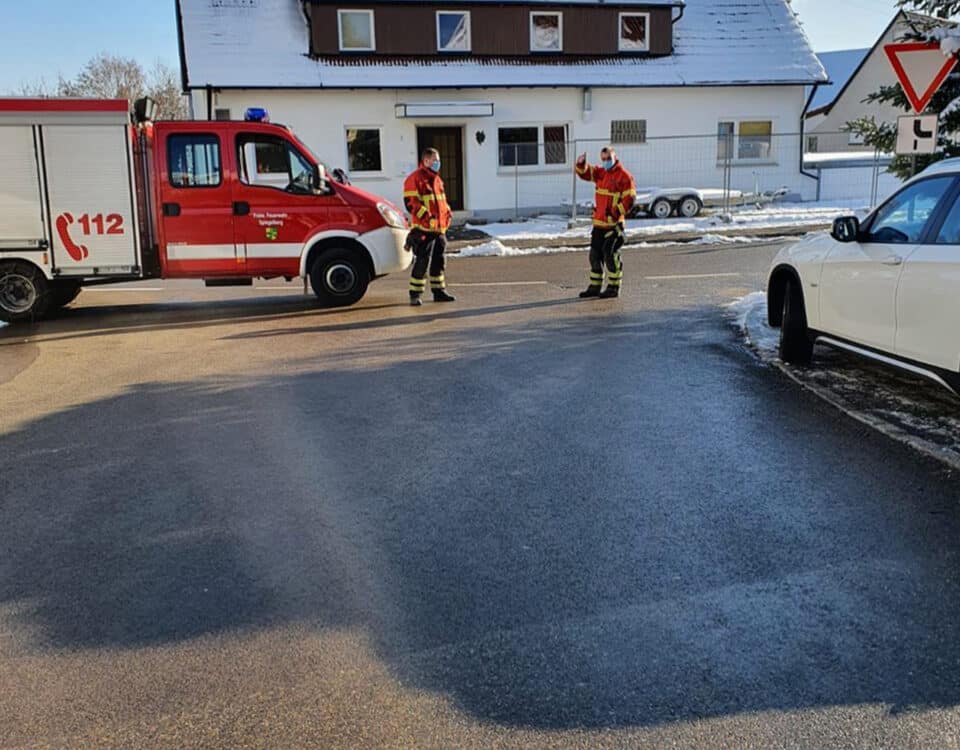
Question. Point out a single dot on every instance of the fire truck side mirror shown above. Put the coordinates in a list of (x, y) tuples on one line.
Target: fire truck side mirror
[(144, 110)]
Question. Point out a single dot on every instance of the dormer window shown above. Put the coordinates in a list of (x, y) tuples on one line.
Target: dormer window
[(634, 32), (453, 31), (356, 31), (546, 32)]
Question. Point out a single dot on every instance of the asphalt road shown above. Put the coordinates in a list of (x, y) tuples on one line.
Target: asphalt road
[(229, 519)]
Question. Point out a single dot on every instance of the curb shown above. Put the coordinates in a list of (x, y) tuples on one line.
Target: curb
[(949, 459)]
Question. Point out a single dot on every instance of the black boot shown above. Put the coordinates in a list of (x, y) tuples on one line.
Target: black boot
[(415, 299), (440, 295), (610, 292), (591, 291)]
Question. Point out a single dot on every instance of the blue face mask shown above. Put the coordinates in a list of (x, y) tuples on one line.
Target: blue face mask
[(435, 166), (608, 164)]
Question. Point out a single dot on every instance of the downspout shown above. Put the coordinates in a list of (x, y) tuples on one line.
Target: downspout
[(803, 123), (683, 9)]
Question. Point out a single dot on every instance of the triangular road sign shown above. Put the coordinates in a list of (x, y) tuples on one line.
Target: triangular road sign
[(921, 68)]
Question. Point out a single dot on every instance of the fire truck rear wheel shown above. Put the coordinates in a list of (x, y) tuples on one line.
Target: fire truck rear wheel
[(24, 292), (339, 277)]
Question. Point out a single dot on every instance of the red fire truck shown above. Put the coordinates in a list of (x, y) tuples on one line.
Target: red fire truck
[(88, 196)]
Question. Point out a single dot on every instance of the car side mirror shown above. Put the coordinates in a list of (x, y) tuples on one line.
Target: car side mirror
[(846, 229)]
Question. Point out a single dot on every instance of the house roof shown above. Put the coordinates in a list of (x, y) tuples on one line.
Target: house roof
[(262, 44), (840, 66)]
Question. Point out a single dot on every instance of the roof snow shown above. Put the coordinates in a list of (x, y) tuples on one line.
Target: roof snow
[(263, 44)]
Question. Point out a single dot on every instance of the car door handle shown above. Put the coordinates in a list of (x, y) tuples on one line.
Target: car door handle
[(171, 209), (893, 260), (241, 208)]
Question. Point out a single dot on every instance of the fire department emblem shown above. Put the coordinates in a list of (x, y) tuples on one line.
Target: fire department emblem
[(272, 233)]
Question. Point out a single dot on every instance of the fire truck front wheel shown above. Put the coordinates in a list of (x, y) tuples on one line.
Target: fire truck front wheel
[(24, 291), (339, 277)]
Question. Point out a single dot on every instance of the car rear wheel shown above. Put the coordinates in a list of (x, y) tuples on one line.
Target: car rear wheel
[(796, 344), (661, 209), (339, 277), (24, 292)]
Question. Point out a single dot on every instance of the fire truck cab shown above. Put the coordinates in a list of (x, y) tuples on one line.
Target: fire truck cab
[(88, 198)]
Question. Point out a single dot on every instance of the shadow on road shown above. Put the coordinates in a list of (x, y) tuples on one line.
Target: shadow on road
[(604, 522)]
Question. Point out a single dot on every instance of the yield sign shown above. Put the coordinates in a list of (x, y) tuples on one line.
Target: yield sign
[(921, 68)]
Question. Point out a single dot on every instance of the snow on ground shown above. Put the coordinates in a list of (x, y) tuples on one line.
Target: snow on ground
[(906, 407), (495, 248), (779, 216)]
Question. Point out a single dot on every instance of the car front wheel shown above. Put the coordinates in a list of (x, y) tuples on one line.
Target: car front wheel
[(339, 277), (796, 344)]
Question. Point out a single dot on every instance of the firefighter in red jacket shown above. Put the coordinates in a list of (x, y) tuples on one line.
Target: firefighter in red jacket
[(615, 195), (430, 215)]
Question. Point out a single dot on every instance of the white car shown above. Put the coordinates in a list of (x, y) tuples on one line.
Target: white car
[(887, 288)]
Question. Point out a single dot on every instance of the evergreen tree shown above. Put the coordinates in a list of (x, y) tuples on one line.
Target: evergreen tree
[(883, 136)]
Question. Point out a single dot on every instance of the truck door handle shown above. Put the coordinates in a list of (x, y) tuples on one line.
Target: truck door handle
[(241, 208), (893, 260), (171, 209)]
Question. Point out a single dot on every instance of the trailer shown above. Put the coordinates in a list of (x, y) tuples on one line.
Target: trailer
[(687, 202), (88, 196)]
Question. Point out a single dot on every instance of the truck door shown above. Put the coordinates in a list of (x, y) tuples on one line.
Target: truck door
[(196, 207), (276, 203), (89, 180)]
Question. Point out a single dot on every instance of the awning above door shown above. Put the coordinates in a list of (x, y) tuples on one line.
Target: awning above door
[(444, 109)]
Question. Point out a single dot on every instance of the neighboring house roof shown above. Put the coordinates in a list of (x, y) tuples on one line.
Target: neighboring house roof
[(840, 66), (261, 44)]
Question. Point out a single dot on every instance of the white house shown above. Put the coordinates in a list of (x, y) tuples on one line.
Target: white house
[(510, 91)]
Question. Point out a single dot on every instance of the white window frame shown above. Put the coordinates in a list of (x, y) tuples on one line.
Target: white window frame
[(373, 30), (469, 31), (346, 151), (559, 16), (646, 47), (541, 166)]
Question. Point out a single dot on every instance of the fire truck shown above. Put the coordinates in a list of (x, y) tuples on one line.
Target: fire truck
[(90, 195)]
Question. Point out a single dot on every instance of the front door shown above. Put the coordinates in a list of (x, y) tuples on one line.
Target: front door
[(449, 142)]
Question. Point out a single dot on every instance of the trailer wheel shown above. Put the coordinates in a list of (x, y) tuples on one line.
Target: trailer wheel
[(24, 292), (690, 207), (339, 277), (62, 293), (661, 209)]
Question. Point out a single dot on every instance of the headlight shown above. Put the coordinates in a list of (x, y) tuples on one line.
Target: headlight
[(390, 215)]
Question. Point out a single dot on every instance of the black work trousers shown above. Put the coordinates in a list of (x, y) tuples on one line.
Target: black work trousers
[(605, 244), (428, 250)]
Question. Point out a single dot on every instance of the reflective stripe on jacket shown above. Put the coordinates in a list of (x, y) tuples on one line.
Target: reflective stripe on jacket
[(616, 192), (426, 202)]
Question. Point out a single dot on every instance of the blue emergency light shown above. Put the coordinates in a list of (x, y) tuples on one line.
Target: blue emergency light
[(256, 114)]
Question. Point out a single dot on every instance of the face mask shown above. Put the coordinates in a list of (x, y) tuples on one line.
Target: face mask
[(435, 166), (608, 164)]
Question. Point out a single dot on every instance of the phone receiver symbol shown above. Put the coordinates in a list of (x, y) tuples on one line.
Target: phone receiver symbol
[(77, 252)]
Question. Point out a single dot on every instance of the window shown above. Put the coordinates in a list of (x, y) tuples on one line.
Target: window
[(756, 139), (555, 144), (521, 146), (518, 146), (221, 114), (634, 32), (453, 31), (546, 32), (363, 150), (356, 30), (725, 131), (269, 161), (753, 141), (813, 143), (903, 218), (949, 233), (628, 131), (194, 160)]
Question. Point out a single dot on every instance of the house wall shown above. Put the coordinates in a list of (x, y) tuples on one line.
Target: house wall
[(681, 150), (495, 30), (876, 72)]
